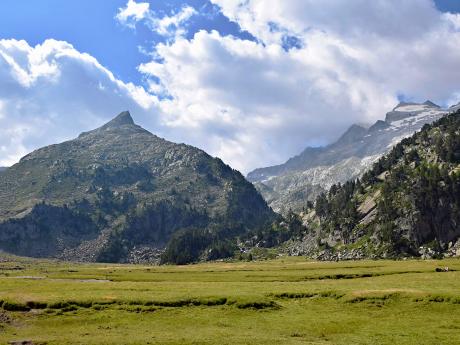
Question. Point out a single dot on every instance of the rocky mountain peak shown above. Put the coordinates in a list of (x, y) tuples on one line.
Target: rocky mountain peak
[(406, 110), (354, 133), (120, 184), (431, 104), (403, 104), (413, 106), (122, 119)]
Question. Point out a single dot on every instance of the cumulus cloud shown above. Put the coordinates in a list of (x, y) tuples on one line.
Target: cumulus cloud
[(133, 12), (247, 102), (172, 25), (401, 20), (168, 26), (314, 68), (52, 92), (257, 103)]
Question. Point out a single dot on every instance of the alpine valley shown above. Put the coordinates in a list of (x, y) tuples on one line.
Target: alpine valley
[(121, 194)]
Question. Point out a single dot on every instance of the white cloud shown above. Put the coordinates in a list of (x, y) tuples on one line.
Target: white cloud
[(256, 104), (52, 92), (453, 19), (253, 104), (172, 25), (250, 103), (168, 26), (401, 19), (133, 12)]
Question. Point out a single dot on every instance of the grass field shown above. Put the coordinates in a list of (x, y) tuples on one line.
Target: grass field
[(284, 301)]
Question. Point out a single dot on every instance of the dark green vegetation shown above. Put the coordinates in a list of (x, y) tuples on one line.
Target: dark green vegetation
[(408, 204), (121, 194), (284, 301)]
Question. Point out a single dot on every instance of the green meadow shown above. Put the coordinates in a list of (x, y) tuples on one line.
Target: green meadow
[(283, 301)]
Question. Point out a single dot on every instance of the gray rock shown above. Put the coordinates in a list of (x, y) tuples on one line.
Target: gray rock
[(304, 177)]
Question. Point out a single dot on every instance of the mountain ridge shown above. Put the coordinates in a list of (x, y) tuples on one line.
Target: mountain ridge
[(316, 169), (122, 190)]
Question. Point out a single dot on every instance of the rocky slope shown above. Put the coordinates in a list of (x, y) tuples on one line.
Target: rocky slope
[(119, 193), (289, 185), (408, 204)]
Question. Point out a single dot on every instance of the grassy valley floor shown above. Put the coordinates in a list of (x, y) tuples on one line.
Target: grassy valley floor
[(284, 301)]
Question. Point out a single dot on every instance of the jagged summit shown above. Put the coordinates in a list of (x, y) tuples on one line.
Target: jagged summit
[(413, 106), (379, 125), (124, 118), (355, 132), (121, 121), (407, 110)]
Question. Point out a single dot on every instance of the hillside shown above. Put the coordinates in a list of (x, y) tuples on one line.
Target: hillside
[(315, 170), (408, 204), (121, 194)]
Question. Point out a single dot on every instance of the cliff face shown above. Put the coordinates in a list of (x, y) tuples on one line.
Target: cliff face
[(118, 191)]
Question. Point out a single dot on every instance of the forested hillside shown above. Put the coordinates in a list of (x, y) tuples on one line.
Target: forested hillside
[(408, 204)]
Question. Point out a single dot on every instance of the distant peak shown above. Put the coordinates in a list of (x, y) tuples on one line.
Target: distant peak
[(124, 118), (379, 125), (427, 103), (354, 133), (403, 104), (356, 127), (431, 104)]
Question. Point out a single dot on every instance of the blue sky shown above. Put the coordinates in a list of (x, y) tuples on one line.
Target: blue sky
[(251, 81), (90, 26)]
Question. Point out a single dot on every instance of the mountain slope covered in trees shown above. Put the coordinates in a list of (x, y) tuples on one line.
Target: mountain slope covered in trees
[(408, 204), (121, 194)]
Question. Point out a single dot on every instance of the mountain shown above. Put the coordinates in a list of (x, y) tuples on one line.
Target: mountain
[(407, 204), (316, 169), (2, 169), (121, 194)]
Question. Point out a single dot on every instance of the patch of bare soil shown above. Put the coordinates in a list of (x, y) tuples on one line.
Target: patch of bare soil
[(4, 318)]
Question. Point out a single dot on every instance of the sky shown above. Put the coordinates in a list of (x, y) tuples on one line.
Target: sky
[(253, 82)]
